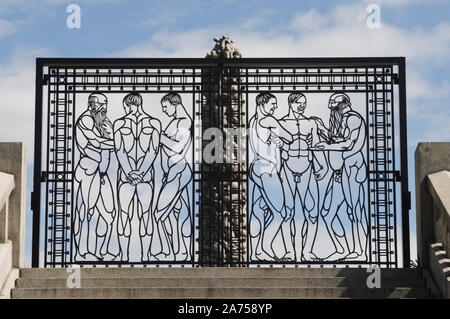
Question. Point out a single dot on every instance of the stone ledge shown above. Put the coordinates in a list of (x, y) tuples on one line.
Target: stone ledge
[(13, 161), (6, 187), (10, 283), (429, 158), (440, 268), (5, 262), (439, 187)]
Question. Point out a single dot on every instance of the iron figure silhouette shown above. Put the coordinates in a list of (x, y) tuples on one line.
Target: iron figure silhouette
[(345, 139), (137, 143), (94, 195), (173, 211), (300, 175), (268, 205)]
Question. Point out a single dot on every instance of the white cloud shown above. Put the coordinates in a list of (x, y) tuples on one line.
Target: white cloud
[(17, 82), (397, 3), (192, 43), (311, 20), (27, 5)]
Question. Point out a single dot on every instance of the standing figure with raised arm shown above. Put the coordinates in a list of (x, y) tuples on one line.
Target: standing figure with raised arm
[(345, 139), (173, 210), (302, 169), (94, 195), (136, 141), (268, 199)]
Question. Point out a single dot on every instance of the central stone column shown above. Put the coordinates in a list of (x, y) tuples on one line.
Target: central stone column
[(223, 203)]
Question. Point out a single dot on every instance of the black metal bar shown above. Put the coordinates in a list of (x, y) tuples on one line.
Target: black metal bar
[(37, 163), (394, 166), (369, 229), (385, 155), (404, 164), (189, 62), (47, 159), (193, 205), (375, 133), (71, 238)]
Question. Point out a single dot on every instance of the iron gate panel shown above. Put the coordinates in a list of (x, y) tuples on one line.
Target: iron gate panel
[(320, 184), (372, 167), (81, 183)]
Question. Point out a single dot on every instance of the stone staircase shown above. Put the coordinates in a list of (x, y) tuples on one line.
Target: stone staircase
[(242, 283)]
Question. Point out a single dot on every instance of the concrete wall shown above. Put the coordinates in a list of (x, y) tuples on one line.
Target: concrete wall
[(439, 188), (13, 161), (440, 269), (432, 161), (6, 245), (429, 158)]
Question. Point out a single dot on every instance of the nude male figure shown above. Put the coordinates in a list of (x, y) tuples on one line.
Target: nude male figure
[(302, 175), (94, 195), (345, 139), (268, 204), (136, 142), (173, 209)]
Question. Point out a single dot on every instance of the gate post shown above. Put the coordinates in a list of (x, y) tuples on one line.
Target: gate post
[(223, 197), (13, 162)]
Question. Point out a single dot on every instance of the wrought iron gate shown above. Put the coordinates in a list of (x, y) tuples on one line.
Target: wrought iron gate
[(310, 166)]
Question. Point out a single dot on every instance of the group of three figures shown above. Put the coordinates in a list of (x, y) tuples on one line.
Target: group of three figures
[(138, 142), (298, 161)]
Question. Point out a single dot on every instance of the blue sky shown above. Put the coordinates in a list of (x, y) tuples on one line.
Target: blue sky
[(417, 29)]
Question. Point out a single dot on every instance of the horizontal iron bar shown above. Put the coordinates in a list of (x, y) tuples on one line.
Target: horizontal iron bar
[(192, 62), (70, 76)]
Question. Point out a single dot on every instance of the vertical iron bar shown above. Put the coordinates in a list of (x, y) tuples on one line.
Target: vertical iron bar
[(229, 200), (55, 169), (394, 164), (37, 163), (386, 169), (247, 150), (47, 159), (406, 199), (368, 199), (72, 210), (210, 197), (193, 205), (375, 159)]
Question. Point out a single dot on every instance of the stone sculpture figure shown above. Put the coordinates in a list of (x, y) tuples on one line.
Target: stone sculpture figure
[(224, 48)]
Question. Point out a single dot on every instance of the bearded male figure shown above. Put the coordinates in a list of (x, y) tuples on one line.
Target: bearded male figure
[(345, 139), (94, 196)]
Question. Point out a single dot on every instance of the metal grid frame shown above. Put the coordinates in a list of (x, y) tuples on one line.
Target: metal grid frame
[(279, 76)]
